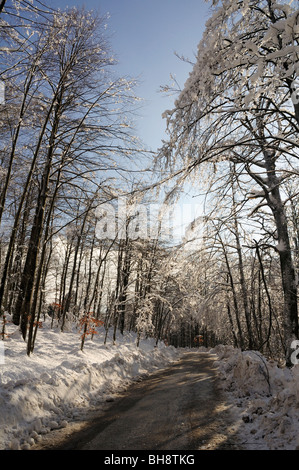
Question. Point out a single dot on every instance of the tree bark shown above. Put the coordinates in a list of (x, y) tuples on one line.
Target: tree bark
[(23, 304), (290, 309), (2, 3)]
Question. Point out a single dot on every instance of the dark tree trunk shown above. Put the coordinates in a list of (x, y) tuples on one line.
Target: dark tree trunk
[(290, 309)]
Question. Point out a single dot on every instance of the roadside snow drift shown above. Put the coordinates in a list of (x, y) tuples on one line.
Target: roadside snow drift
[(265, 396), (58, 382)]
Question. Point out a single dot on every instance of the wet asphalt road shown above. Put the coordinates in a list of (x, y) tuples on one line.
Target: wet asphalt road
[(177, 408)]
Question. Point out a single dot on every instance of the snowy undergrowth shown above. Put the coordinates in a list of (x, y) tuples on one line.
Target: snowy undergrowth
[(265, 396), (58, 382)]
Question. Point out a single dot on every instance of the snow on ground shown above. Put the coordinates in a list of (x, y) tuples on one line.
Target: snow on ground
[(265, 397), (59, 382)]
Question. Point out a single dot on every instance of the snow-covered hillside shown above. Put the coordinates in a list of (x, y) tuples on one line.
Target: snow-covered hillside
[(58, 382)]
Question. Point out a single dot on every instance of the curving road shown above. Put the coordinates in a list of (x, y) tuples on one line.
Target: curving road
[(178, 408)]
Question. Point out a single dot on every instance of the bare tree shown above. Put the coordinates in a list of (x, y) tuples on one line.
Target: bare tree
[(75, 114), (238, 106)]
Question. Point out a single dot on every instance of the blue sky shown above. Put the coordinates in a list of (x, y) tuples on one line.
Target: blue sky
[(144, 36)]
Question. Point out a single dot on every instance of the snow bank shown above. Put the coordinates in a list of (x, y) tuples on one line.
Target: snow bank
[(58, 382), (265, 396)]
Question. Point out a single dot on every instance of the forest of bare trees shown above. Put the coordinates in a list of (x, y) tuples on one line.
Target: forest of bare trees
[(68, 155)]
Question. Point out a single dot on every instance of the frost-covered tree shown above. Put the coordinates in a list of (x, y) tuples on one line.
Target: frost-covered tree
[(240, 104), (68, 127)]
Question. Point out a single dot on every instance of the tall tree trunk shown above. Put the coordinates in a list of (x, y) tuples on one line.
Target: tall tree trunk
[(240, 263), (67, 303), (126, 269), (23, 304), (16, 317), (290, 309), (241, 341), (41, 273), (243, 285), (2, 3)]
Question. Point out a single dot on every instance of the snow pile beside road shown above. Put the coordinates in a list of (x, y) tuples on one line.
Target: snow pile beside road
[(58, 382), (265, 395)]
